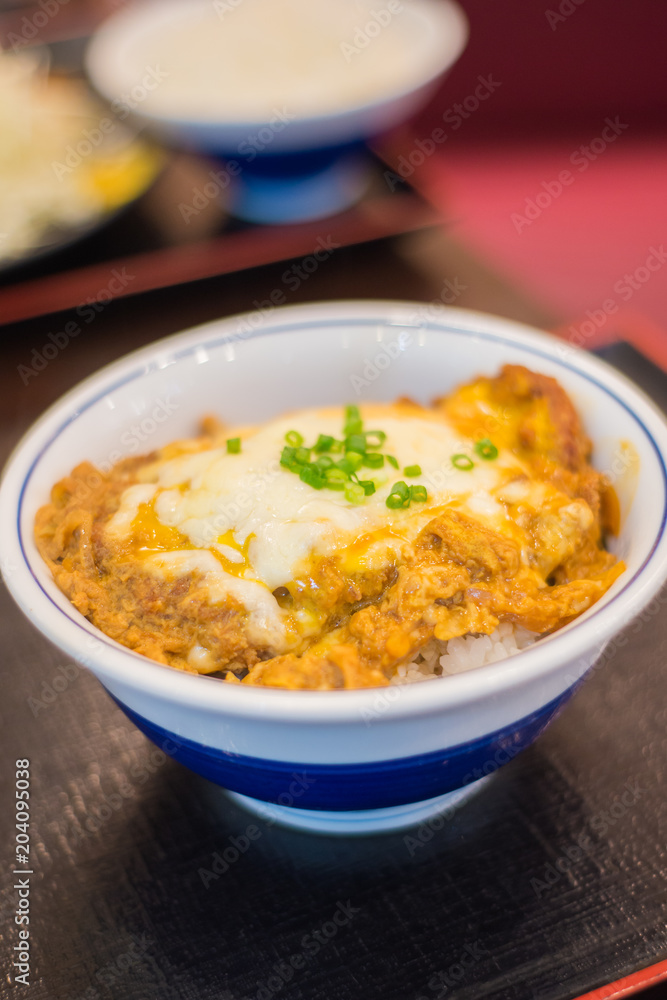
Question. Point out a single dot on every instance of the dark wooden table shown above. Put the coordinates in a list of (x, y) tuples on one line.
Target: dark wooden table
[(548, 885)]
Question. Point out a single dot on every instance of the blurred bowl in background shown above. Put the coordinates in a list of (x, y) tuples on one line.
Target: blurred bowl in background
[(286, 93)]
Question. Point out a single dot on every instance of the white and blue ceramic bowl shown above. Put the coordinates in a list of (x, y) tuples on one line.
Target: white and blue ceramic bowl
[(340, 760), (289, 168)]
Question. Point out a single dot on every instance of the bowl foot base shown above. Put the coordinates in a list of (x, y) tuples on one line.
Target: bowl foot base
[(303, 197), (435, 812)]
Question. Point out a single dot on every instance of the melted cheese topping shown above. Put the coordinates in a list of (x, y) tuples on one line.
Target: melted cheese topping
[(247, 525)]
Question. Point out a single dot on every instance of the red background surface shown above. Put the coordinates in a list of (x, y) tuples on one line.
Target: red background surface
[(557, 87)]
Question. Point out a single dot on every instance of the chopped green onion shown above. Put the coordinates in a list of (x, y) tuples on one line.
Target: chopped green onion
[(351, 462), (486, 449), (323, 443), (379, 436), (412, 471), (401, 488), (322, 471), (233, 446), (394, 501), (356, 442), (462, 462), (418, 494), (353, 422), (336, 475), (354, 492), (312, 476), (399, 496), (293, 458)]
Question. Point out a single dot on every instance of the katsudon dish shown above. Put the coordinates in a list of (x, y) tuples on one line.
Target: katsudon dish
[(344, 547)]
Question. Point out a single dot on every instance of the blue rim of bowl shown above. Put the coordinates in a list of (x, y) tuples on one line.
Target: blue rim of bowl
[(376, 784), (335, 320)]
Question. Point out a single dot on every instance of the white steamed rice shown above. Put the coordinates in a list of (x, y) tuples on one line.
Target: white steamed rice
[(455, 656)]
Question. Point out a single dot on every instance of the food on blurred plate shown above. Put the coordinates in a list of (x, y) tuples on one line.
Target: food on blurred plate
[(249, 60), (65, 163), (344, 547)]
